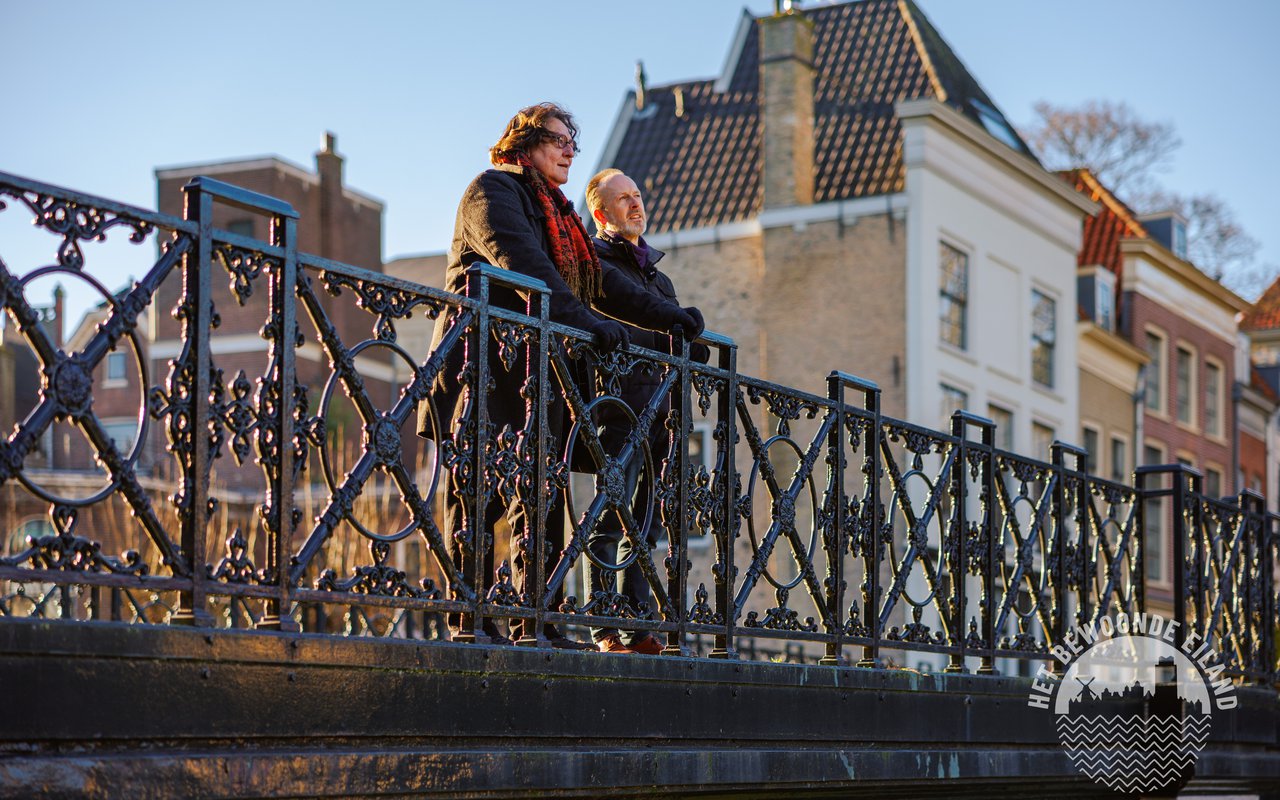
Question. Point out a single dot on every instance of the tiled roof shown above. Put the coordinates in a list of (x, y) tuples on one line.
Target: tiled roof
[(1265, 314), (1259, 383), (1104, 230), (703, 167)]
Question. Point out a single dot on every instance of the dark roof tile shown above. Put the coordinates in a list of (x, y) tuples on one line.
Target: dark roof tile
[(703, 168)]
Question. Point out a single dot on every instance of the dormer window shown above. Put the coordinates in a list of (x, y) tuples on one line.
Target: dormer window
[(1180, 239), (1169, 229), (1096, 294), (1105, 300)]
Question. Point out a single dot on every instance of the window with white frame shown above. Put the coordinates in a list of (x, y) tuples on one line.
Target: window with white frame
[(1213, 398), (1212, 482), (115, 367), (1104, 299), (1042, 437), (1119, 460), (122, 434), (1091, 440), (953, 295), (1185, 384), (953, 400), (1153, 397), (1003, 418), (1044, 337)]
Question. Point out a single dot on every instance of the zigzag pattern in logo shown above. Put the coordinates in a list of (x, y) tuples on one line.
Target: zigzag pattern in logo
[(1131, 753)]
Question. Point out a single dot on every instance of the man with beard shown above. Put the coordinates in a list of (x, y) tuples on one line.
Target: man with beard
[(628, 263)]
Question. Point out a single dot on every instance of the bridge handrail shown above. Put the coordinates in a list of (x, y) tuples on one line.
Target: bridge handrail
[(830, 523)]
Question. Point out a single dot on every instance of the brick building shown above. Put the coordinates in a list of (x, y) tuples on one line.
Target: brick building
[(335, 222), (846, 174), (1194, 404), (1260, 330), (845, 196)]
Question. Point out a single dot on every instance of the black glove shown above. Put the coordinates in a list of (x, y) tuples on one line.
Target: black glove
[(610, 335), (699, 352), (693, 322)]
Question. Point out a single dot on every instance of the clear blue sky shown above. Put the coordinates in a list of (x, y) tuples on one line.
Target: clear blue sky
[(96, 95)]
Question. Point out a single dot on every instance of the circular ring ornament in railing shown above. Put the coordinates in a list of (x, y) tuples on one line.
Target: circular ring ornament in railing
[(1023, 551), (1108, 558), (614, 477), (894, 566), (381, 438), (69, 385), (783, 511)]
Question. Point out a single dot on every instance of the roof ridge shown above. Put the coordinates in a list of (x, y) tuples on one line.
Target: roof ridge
[(1115, 204), (916, 39)]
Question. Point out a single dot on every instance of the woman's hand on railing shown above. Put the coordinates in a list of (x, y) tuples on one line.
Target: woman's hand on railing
[(610, 335)]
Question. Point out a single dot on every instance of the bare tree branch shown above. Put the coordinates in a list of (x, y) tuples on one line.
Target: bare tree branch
[(1124, 151), (1117, 145)]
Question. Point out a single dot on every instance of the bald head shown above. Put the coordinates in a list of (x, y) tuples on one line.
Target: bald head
[(616, 205)]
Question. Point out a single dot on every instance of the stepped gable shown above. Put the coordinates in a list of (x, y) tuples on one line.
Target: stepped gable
[(703, 167)]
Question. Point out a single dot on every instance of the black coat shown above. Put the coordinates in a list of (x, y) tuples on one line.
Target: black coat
[(645, 289), (500, 222)]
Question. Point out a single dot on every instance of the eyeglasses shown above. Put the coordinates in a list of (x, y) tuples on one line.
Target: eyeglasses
[(560, 140)]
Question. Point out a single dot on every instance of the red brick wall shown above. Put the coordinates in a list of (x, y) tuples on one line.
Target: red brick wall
[(1175, 438)]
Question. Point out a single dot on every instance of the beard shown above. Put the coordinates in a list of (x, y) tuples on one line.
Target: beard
[(632, 229)]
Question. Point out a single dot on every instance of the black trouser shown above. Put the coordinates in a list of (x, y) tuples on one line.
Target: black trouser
[(611, 545), (519, 517)]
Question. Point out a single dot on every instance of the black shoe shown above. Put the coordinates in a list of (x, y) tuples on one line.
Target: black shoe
[(561, 642), (490, 629)]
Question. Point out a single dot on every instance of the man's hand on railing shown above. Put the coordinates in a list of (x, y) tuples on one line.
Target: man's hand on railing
[(692, 323), (610, 335)]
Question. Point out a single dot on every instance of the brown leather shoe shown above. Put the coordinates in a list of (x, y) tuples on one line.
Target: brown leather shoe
[(613, 644), (648, 645)]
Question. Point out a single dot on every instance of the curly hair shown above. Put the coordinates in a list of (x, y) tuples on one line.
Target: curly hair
[(526, 129)]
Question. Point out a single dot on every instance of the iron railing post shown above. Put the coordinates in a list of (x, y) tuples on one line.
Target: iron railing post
[(197, 269), (1269, 541), (282, 297), (1138, 569), (471, 543), (727, 536), (677, 580), (873, 513), (990, 538), (835, 539), (1185, 485), (539, 368), (955, 538), (1059, 450)]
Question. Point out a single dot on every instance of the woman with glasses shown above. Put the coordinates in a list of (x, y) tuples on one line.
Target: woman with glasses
[(516, 217)]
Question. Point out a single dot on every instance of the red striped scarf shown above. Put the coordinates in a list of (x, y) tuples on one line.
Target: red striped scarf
[(574, 257)]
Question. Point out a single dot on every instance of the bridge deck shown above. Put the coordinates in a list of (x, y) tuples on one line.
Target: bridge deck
[(106, 710)]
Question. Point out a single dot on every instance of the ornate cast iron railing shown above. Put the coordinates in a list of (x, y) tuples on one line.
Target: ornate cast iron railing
[(274, 479)]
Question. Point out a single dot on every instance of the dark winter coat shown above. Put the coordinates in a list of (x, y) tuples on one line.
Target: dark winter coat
[(499, 222), (623, 276)]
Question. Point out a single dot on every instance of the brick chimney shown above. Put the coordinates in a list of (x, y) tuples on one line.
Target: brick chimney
[(329, 168), (59, 307), (786, 108)]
